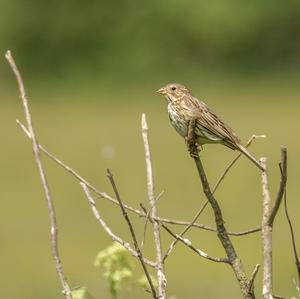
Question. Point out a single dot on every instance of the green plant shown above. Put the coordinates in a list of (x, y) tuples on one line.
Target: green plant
[(116, 266)]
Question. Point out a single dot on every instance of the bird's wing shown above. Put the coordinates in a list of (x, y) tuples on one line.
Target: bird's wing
[(212, 123)]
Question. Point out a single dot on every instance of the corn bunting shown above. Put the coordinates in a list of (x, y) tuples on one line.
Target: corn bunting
[(209, 128)]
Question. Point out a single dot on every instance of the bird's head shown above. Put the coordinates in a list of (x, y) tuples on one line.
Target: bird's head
[(173, 91)]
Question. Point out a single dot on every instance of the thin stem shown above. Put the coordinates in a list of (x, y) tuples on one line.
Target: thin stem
[(252, 278), (147, 218), (114, 237), (283, 179), (188, 243), (132, 232), (173, 244), (50, 205), (295, 251), (161, 278)]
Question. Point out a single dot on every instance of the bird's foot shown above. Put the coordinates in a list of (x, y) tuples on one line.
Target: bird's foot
[(194, 154), (193, 147), (199, 147)]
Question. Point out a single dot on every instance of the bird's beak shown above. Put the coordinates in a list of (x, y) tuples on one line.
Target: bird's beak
[(162, 91)]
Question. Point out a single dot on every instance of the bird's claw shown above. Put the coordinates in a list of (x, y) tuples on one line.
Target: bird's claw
[(194, 155), (192, 148)]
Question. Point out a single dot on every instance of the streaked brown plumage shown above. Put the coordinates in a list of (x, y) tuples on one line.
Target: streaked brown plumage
[(209, 128)]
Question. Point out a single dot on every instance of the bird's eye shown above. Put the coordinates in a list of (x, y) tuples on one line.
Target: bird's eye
[(173, 88)]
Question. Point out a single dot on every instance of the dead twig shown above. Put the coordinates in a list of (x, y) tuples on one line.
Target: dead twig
[(148, 216), (188, 243), (161, 278), (50, 205), (252, 278), (266, 234), (283, 179), (229, 166), (132, 232), (115, 238), (295, 251)]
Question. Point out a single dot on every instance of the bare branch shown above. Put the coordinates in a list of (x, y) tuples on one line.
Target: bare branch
[(132, 232), (115, 238), (76, 175), (283, 178), (266, 234), (292, 234), (188, 243), (202, 208), (229, 166), (206, 227), (50, 205), (252, 278), (147, 218), (173, 244), (129, 208), (224, 238), (162, 281)]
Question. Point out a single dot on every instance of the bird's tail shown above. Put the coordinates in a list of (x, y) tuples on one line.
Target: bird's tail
[(250, 157)]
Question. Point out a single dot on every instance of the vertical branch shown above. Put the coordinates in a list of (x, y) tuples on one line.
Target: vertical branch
[(162, 282), (223, 236), (293, 242), (50, 204), (297, 262), (266, 235)]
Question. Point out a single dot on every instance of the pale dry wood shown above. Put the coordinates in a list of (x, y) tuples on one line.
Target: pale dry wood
[(266, 234), (50, 205), (161, 277)]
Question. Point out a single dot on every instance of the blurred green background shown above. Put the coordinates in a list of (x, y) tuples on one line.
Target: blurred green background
[(91, 68)]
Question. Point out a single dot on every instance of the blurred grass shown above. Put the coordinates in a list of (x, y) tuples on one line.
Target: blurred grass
[(91, 126)]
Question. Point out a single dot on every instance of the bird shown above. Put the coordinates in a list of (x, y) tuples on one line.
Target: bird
[(183, 107)]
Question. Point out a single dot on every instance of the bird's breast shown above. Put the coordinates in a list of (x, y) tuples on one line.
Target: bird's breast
[(177, 119)]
